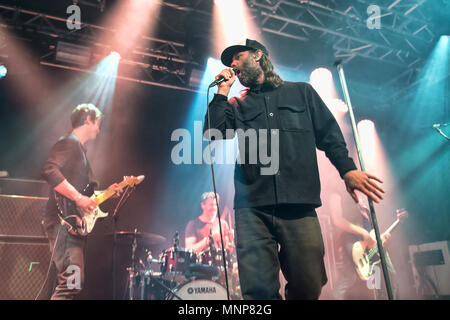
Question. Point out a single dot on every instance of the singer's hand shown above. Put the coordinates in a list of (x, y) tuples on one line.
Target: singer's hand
[(225, 86), (364, 182)]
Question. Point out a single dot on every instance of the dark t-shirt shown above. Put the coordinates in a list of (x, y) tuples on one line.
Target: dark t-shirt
[(67, 160)]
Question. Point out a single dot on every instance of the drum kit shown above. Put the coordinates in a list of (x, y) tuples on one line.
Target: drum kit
[(178, 273)]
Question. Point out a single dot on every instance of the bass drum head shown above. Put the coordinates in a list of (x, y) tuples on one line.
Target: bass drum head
[(201, 290)]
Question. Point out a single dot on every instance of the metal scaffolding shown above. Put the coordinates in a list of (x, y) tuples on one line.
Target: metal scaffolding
[(403, 38), (157, 61)]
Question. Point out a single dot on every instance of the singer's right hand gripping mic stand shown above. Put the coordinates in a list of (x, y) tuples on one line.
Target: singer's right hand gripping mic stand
[(361, 162)]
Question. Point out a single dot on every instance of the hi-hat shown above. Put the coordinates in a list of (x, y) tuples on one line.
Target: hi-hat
[(149, 238)]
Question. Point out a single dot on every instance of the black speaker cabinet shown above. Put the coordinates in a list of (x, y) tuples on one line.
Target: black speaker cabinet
[(23, 270), (24, 250), (21, 215)]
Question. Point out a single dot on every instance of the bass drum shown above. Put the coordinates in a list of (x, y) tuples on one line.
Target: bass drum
[(200, 290)]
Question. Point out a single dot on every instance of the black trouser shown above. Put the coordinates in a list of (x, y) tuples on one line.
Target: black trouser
[(296, 229), (68, 259)]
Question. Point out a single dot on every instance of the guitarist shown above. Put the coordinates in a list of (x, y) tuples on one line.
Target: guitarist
[(67, 171), (353, 224)]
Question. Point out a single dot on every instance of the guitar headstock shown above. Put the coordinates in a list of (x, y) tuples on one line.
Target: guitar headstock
[(132, 180), (401, 214)]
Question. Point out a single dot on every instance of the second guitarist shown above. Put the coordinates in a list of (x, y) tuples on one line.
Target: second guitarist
[(67, 171), (352, 224)]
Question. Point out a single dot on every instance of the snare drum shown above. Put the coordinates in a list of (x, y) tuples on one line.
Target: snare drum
[(200, 290), (176, 261)]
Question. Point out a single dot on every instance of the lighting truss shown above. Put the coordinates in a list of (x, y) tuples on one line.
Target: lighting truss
[(400, 40), (404, 38), (157, 61)]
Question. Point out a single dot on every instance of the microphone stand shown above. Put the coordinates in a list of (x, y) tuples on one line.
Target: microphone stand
[(119, 204), (214, 186), (131, 270), (361, 162)]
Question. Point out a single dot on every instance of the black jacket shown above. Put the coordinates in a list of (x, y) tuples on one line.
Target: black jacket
[(303, 122)]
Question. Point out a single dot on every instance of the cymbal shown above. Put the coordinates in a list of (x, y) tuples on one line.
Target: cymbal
[(140, 236)]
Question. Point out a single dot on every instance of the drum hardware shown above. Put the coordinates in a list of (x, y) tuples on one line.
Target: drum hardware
[(131, 270), (137, 239), (183, 274), (175, 260), (148, 278), (144, 275), (143, 238), (202, 271)]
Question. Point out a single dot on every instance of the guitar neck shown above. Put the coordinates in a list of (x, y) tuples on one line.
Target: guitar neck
[(102, 197), (374, 250), (391, 228)]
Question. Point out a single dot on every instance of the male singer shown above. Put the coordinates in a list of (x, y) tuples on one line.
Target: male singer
[(278, 210)]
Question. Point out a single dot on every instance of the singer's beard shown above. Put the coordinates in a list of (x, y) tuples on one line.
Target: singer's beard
[(249, 74)]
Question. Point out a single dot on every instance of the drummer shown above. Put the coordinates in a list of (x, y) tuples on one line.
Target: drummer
[(203, 232)]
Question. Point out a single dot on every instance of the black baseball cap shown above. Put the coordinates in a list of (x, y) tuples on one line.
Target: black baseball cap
[(248, 44)]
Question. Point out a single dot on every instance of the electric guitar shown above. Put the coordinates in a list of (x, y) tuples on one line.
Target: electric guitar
[(366, 258), (79, 222)]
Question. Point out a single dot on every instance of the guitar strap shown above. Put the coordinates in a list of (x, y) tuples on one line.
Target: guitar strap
[(63, 220)]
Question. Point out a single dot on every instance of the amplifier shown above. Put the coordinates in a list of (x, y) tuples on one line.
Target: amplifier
[(24, 187), (21, 215), (23, 270), (24, 249), (431, 268)]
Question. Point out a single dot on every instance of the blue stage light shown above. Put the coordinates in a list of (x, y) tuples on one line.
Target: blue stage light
[(3, 71)]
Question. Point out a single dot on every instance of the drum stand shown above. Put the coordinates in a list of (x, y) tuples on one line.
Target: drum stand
[(145, 276), (154, 279), (131, 270), (122, 200)]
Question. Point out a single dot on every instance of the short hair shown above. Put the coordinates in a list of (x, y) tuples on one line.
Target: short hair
[(207, 195), (82, 112)]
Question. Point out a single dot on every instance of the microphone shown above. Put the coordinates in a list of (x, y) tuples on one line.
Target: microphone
[(216, 82), (222, 79)]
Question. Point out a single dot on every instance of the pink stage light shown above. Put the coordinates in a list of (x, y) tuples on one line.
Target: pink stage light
[(322, 81), (366, 130), (130, 21), (232, 23)]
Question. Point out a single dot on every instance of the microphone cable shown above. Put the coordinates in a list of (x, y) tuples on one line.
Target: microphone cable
[(50, 264), (215, 194)]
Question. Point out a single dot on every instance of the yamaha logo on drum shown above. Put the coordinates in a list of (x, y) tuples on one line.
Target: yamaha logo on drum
[(200, 290)]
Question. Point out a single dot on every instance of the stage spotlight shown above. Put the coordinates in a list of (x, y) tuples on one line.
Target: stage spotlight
[(115, 55), (322, 81), (366, 130), (338, 105), (320, 75), (366, 127), (3, 71), (232, 22)]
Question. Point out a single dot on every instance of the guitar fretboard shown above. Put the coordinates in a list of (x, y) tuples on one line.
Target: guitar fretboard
[(102, 197)]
